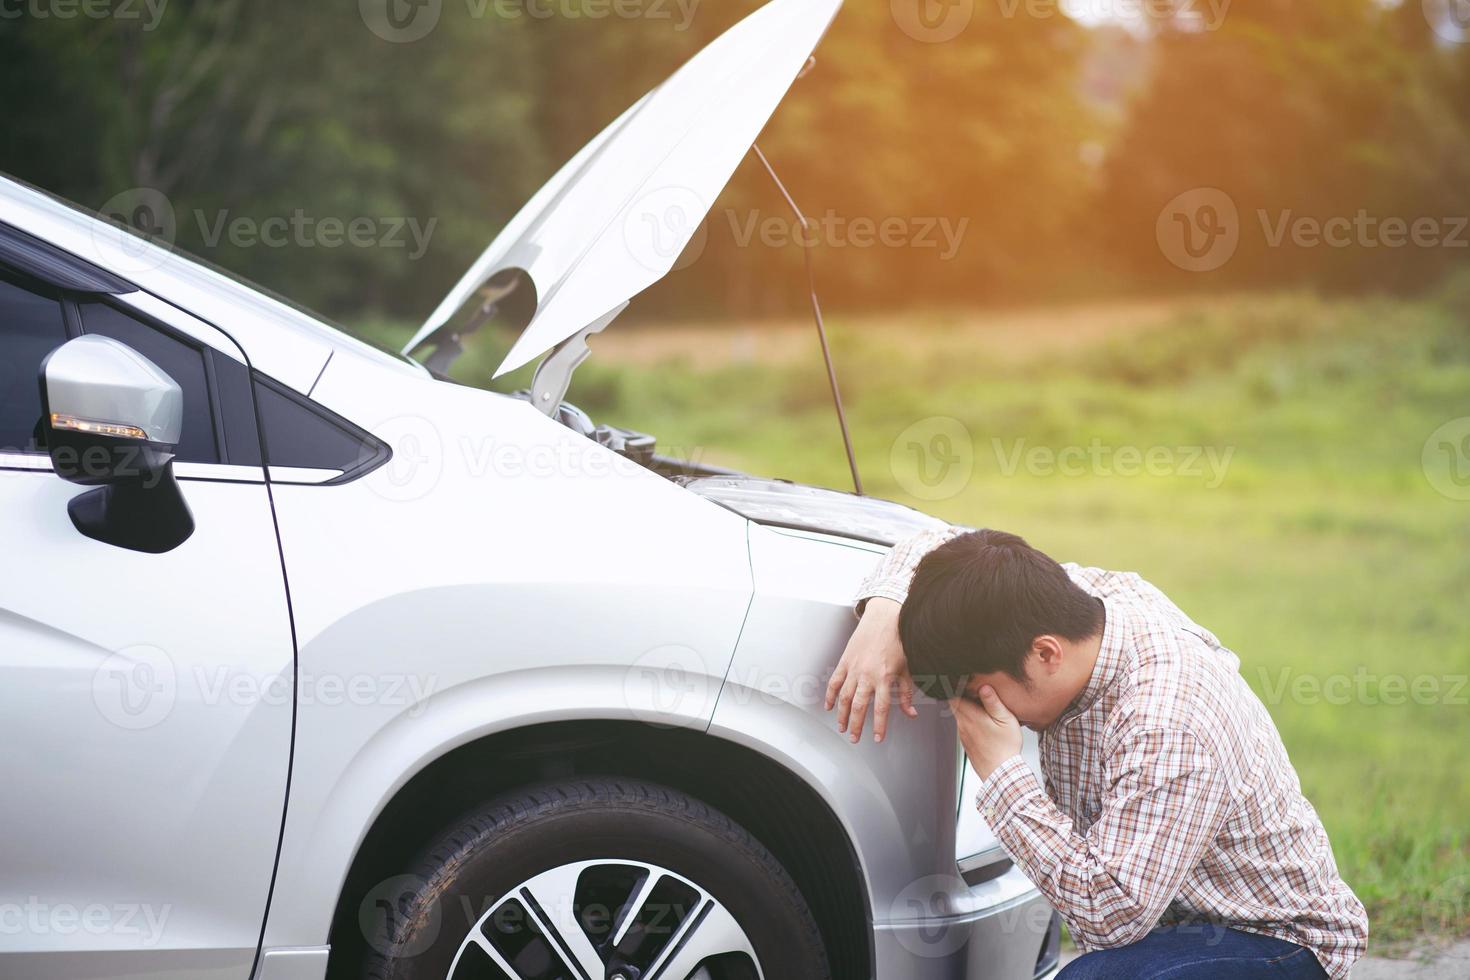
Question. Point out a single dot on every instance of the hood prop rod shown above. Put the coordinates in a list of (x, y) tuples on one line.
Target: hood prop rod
[(811, 282)]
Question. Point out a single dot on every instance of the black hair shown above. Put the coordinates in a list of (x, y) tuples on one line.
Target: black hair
[(978, 601)]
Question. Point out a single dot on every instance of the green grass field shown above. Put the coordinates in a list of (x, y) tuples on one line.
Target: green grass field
[(1313, 540)]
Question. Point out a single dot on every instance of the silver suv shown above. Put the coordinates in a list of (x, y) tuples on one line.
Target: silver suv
[(319, 664)]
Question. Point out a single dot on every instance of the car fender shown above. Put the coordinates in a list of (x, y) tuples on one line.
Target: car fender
[(898, 799), (468, 593)]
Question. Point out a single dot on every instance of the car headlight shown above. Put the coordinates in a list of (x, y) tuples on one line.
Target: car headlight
[(978, 853)]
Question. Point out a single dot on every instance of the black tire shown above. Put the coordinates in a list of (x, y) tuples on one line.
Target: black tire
[(426, 915)]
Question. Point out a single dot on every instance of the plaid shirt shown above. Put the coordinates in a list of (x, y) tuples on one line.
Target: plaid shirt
[(1168, 797)]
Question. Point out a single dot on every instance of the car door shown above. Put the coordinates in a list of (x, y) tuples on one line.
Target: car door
[(145, 699)]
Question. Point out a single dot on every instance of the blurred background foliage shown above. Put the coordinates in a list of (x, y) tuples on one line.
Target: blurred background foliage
[(1056, 140)]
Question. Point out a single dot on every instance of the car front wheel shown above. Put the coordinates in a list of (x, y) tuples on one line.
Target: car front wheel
[(596, 879)]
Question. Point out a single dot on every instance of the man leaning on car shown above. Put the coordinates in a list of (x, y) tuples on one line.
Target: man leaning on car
[(1171, 832)]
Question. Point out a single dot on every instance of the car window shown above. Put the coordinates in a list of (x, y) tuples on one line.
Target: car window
[(296, 434), (31, 326), (237, 411), (180, 359)]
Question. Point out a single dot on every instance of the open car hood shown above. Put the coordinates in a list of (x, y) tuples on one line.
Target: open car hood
[(614, 219)]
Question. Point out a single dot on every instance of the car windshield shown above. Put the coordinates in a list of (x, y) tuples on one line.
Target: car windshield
[(472, 342)]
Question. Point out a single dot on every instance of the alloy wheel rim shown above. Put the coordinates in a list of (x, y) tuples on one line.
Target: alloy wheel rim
[(606, 919)]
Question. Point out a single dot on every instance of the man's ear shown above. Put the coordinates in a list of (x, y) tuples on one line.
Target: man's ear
[(1047, 650)]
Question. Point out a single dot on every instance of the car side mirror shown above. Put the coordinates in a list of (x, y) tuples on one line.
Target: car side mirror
[(111, 419)]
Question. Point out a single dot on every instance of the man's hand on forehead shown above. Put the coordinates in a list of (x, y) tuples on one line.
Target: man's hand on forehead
[(988, 731)]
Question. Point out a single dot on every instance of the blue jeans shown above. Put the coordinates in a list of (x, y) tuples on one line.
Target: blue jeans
[(1198, 952)]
